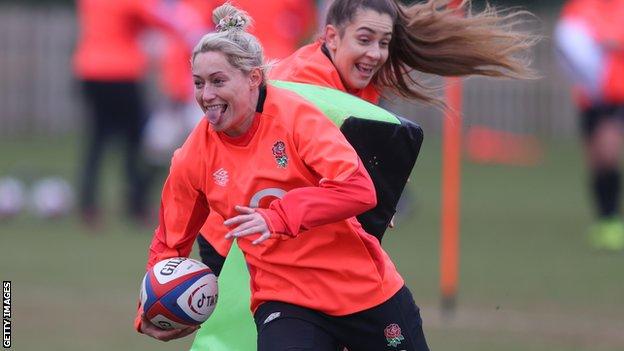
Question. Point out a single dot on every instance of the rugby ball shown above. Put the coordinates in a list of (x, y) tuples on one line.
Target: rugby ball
[(178, 292)]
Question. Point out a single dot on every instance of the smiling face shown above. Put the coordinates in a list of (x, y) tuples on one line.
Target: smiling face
[(227, 95), (362, 48)]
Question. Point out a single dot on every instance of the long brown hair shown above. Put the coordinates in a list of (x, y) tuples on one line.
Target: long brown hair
[(434, 38)]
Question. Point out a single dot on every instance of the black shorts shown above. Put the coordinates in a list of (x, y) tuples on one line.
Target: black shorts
[(394, 325), (592, 116)]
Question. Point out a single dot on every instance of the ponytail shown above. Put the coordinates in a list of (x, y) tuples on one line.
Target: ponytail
[(434, 38)]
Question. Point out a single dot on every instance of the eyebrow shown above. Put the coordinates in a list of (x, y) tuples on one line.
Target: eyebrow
[(372, 30), (210, 75)]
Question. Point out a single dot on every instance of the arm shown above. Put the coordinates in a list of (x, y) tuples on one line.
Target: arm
[(344, 190), (183, 211), (212, 248), (209, 255)]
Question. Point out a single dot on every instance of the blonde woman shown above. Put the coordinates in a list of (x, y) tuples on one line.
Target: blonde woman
[(318, 280)]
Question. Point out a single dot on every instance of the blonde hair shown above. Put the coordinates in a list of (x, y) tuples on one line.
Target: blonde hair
[(433, 37), (242, 49)]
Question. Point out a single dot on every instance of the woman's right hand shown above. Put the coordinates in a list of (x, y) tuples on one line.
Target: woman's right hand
[(150, 329)]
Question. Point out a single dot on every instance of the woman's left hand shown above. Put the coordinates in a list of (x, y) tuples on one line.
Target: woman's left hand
[(248, 222)]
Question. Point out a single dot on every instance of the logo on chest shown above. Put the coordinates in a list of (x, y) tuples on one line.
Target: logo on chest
[(221, 177), (279, 152)]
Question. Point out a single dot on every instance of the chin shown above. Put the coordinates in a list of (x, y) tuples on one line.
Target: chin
[(216, 127), (359, 85)]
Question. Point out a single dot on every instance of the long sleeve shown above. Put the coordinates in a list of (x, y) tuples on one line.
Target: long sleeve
[(183, 211), (344, 190)]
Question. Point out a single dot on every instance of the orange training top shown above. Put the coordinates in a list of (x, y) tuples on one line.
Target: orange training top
[(604, 18), (306, 180), (175, 62), (280, 25), (108, 47), (312, 66)]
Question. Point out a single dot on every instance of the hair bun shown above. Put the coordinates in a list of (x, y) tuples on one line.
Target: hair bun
[(227, 17)]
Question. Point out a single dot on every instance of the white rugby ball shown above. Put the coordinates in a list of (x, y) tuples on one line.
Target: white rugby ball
[(178, 292)]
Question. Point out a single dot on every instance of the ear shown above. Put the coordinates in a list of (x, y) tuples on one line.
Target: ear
[(332, 36), (255, 78)]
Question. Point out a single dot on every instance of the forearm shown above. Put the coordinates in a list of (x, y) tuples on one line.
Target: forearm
[(331, 201)]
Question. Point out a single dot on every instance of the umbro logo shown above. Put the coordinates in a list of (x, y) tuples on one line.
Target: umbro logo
[(221, 177), (272, 316)]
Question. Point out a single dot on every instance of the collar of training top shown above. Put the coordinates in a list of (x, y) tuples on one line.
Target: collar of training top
[(261, 98)]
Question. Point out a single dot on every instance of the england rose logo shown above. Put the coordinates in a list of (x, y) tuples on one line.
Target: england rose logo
[(393, 335), (279, 152)]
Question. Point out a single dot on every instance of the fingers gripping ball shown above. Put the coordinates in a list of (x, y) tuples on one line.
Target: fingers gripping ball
[(178, 292)]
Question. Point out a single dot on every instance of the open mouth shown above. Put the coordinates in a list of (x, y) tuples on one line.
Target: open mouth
[(214, 113), (364, 68)]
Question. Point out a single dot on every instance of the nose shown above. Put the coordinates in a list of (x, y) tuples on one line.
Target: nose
[(208, 93), (374, 53)]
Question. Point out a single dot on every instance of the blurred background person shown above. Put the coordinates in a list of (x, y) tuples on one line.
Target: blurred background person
[(174, 64), (590, 41), (282, 26), (175, 114), (110, 66)]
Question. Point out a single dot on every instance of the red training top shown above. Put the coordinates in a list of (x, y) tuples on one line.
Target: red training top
[(306, 180)]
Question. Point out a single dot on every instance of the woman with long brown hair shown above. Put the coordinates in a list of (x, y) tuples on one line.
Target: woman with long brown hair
[(374, 47), (369, 47)]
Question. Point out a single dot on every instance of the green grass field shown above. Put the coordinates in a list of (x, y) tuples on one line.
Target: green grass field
[(528, 280)]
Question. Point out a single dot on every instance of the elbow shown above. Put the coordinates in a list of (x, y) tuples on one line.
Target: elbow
[(372, 200), (367, 192), (369, 200)]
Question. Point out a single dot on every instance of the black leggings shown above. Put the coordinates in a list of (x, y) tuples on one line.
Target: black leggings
[(393, 325), (117, 108), (592, 117)]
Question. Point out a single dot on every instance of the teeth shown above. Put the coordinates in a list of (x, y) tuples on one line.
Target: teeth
[(215, 107), (365, 67)]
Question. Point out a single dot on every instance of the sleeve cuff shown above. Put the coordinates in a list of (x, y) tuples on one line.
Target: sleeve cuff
[(137, 319), (275, 222)]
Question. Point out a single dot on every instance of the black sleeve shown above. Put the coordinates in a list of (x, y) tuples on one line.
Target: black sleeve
[(389, 152), (209, 256)]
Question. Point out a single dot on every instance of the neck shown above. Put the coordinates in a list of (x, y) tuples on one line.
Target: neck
[(330, 55), (246, 121)]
